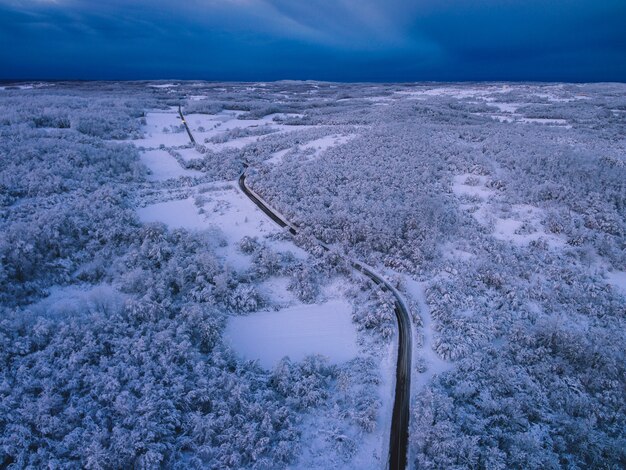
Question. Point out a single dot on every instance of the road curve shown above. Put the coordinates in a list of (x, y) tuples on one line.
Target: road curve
[(399, 434)]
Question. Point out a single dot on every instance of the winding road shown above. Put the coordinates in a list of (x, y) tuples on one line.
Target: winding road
[(399, 434)]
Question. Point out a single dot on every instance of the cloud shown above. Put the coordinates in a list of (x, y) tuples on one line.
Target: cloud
[(345, 39)]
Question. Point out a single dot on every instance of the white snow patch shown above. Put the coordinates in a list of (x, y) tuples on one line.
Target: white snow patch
[(617, 279), (506, 107), (154, 134), (77, 300), (163, 166), (296, 332), (434, 364), (188, 154), (277, 157), (523, 225), (324, 143), (456, 92), (451, 252), (276, 289), (469, 184), (224, 208), (318, 145), (206, 126), (234, 213), (163, 85), (180, 213), (546, 121), (372, 448)]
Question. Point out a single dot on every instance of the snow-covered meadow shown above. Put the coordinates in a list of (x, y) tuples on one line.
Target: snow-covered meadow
[(152, 316)]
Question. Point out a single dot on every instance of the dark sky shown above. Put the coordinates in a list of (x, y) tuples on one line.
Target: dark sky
[(341, 40)]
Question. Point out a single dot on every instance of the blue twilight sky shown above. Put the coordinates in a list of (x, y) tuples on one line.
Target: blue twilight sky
[(343, 40)]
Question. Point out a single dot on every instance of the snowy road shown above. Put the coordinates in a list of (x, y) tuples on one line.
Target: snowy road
[(398, 438), (399, 433)]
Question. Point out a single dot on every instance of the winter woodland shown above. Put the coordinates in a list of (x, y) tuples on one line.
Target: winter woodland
[(131, 266)]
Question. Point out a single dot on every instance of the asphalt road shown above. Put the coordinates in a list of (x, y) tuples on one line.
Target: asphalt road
[(182, 118), (399, 433)]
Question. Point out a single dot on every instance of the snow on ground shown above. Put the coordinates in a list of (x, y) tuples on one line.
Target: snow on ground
[(205, 126), (189, 154), (545, 121), (523, 225), (518, 118), (426, 357), (26, 86), (518, 223), (218, 207), (163, 85), (163, 166), (296, 332), (277, 290), (154, 134), (506, 107), (492, 96), (452, 252), (372, 449), (230, 209), (501, 118), (491, 93), (324, 143), (318, 146), (180, 213), (237, 143), (617, 279), (73, 301), (468, 184), (277, 157), (453, 92)]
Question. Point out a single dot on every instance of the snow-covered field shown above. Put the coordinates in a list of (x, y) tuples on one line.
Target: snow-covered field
[(163, 128), (163, 166), (295, 332)]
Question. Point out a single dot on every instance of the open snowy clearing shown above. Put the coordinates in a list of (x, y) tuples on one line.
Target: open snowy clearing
[(163, 166), (617, 279), (157, 123), (296, 332), (72, 301), (181, 213), (317, 146), (518, 223), (223, 209)]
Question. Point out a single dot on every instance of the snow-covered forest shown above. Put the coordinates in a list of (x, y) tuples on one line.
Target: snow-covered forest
[(152, 317)]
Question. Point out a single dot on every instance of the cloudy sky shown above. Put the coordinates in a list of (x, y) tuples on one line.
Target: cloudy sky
[(344, 40)]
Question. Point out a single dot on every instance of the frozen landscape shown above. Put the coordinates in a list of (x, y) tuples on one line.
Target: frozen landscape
[(153, 316)]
